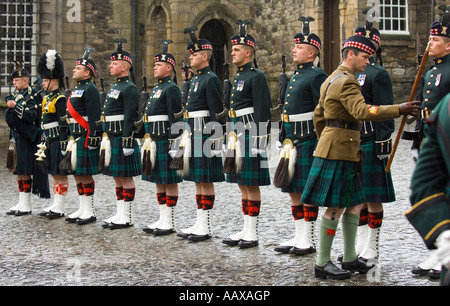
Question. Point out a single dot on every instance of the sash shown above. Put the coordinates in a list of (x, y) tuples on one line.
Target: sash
[(79, 119)]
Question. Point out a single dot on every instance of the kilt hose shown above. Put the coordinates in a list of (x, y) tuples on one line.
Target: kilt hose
[(25, 156), (87, 160), (377, 184), (162, 173), (254, 168), (304, 160), (203, 169), (53, 159), (333, 183), (121, 165)]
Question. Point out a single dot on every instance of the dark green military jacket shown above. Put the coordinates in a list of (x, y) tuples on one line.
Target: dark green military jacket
[(302, 96), (53, 110), (165, 99), (376, 87), (122, 99), (436, 83), (430, 213), (205, 93), (24, 118), (85, 99)]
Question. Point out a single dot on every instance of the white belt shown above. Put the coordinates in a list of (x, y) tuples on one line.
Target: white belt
[(196, 114), (113, 118), (244, 111), (298, 117), (156, 118), (50, 125), (72, 120)]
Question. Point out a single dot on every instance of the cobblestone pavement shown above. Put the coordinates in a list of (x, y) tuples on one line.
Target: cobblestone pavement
[(37, 251)]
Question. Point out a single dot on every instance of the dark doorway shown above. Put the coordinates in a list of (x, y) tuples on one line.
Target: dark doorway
[(331, 56), (215, 32)]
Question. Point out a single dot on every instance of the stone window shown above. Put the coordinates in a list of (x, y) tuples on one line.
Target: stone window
[(17, 38), (394, 17)]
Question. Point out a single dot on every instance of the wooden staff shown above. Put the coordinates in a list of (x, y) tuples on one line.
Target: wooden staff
[(411, 98)]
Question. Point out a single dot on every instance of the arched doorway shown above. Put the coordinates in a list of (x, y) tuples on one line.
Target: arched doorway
[(215, 31)]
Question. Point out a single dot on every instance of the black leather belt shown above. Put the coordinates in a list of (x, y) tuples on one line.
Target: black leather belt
[(343, 124)]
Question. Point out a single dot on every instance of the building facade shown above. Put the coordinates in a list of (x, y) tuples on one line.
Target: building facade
[(31, 27)]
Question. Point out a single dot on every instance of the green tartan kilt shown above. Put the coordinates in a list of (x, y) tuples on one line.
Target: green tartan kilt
[(121, 165), (377, 184), (25, 156), (254, 169), (54, 157), (304, 160), (333, 183), (162, 174), (87, 160), (203, 169)]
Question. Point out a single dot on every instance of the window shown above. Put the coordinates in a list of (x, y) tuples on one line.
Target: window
[(394, 17), (17, 20)]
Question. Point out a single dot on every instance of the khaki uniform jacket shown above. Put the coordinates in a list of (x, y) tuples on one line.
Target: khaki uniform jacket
[(343, 101)]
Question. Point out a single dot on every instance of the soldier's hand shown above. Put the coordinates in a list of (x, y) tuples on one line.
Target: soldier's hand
[(410, 108)]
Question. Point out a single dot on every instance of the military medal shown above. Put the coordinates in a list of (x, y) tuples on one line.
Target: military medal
[(196, 87), (240, 86), (362, 79), (438, 80), (157, 94)]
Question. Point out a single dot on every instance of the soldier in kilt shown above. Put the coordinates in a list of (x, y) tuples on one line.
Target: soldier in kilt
[(54, 127), (82, 149), (23, 118), (376, 142), (334, 180), (120, 112), (430, 211), (201, 166), (163, 103), (436, 86), (250, 116), (297, 129)]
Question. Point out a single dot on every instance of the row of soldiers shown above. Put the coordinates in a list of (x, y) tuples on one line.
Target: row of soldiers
[(327, 124)]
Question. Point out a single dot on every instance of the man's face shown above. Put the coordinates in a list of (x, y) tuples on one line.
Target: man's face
[(439, 46), (360, 61), (198, 59), (240, 54), (161, 70), (302, 53), (80, 73), (49, 84), (20, 83)]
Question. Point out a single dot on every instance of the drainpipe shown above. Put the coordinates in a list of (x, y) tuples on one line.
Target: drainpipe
[(133, 27)]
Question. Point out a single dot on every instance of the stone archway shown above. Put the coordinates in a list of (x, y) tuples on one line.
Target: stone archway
[(215, 31)]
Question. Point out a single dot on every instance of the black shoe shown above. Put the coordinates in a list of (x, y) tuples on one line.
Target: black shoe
[(105, 224), (329, 270), (231, 242), (183, 235), (419, 271), (22, 213), (119, 226), (283, 249), (148, 230), (434, 274), (244, 244), (195, 238), (53, 215), (161, 232), (358, 265), (11, 212), (298, 251), (80, 221), (44, 213)]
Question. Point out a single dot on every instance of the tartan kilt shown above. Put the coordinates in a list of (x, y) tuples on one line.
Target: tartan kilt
[(203, 169), (377, 184), (25, 156), (304, 160), (254, 169), (87, 160), (54, 157), (121, 165), (333, 183), (162, 174)]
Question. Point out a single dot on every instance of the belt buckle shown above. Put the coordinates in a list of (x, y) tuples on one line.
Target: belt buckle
[(186, 115), (232, 113), (286, 118), (102, 118), (145, 118)]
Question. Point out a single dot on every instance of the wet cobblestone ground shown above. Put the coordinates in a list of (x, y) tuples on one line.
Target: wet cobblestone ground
[(36, 251)]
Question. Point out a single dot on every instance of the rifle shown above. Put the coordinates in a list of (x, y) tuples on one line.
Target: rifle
[(411, 98), (226, 87), (184, 87), (102, 87), (282, 81), (144, 98)]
